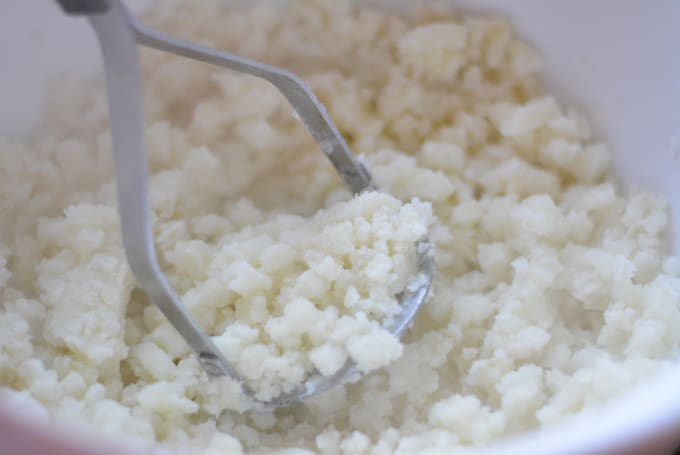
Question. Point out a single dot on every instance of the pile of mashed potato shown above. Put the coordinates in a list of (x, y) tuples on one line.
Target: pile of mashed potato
[(553, 290)]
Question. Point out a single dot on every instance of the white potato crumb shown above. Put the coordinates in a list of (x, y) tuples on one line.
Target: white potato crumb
[(328, 358), (553, 293), (370, 351)]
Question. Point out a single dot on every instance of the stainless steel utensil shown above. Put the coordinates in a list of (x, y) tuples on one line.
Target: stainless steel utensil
[(118, 34)]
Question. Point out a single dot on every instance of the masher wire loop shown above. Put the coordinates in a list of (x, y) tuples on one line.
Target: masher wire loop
[(119, 34)]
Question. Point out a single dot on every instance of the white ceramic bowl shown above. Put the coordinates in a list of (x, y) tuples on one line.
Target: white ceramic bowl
[(615, 59)]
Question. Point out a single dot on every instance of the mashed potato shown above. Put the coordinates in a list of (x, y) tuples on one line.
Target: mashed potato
[(553, 290)]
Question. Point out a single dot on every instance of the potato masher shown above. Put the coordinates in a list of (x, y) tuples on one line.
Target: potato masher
[(118, 34)]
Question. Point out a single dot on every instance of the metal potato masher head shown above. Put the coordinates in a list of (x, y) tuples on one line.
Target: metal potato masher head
[(119, 34)]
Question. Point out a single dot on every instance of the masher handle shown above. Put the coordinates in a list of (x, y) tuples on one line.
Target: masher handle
[(118, 43)]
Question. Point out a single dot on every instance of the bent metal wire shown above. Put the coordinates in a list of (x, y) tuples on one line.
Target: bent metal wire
[(118, 34)]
